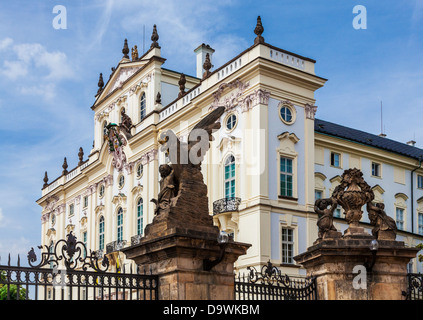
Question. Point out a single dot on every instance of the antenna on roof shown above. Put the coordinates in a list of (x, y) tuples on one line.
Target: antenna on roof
[(143, 38), (381, 121)]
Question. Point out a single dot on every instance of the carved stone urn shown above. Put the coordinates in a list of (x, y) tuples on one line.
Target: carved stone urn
[(352, 194)]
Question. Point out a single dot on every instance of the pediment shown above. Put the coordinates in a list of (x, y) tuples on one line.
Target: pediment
[(119, 76), (123, 74)]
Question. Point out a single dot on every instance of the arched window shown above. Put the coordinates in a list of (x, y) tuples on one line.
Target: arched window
[(230, 177), (120, 225), (101, 234), (140, 217), (143, 106)]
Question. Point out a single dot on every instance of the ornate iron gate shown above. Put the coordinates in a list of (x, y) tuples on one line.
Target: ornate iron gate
[(270, 284), (415, 287), (66, 272)]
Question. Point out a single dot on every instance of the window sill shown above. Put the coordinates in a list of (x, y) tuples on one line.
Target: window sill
[(287, 198), (289, 265)]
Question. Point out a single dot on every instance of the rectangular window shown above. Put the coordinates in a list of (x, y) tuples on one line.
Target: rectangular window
[(375, 169), (85, 201), (84, 240), (287, 245), (420, 223), (335, 159), (71, 209), (318, 194), (286, 177), (230, 179), (400, 218), (337, 212), (419, 181)]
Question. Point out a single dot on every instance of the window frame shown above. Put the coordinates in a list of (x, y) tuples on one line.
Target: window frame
[(402, 221), (287, 174), (229, 183), (332, 159), (119, 225), (378, 167), (143, 106), (101, 231), (420, 223), (419, 181), (287, 249), (233, 123), (293, 113), (140, 217)]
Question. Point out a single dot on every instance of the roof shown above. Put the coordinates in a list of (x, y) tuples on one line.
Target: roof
[(366, 138)]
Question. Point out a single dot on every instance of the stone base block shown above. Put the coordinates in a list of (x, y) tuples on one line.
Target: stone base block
[(178, 259), (346, 268)]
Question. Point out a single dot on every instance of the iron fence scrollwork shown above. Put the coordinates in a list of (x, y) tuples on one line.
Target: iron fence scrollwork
[(271, 284), (66, 271), (415, 287)]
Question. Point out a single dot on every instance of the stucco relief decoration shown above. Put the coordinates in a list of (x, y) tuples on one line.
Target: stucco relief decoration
[(142, 84), (123, 75), (116, 143), (310, 111), (230, 101)]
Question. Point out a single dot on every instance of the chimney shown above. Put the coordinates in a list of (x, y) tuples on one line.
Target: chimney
[(411, 143), (201, 52)]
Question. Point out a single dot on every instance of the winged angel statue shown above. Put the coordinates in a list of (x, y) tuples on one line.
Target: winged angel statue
[(182, 188)]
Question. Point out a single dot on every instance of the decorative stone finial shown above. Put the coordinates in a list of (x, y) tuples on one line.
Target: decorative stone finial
[(125, 49), (134, 53), (45, 180), (80, 156), (100, 83), (207, 66), (158, 98), (181, 83), (155, 38), (258, 31), (65, 167)]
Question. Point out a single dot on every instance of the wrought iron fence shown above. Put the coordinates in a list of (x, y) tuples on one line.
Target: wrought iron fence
[(270, 284), (415, 287), (66, 272)]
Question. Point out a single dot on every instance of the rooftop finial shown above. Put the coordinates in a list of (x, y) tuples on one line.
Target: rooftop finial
[(155, 38), (80, 156), (258, 31), (100, 83), (125, 49), (207, 66), (65, 167), (181, 83), (45, 180)]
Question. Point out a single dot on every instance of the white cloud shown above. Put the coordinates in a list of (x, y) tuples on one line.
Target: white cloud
[(5, 43), (31, 63)]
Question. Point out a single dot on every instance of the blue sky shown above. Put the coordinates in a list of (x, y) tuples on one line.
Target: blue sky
[(48, 77)]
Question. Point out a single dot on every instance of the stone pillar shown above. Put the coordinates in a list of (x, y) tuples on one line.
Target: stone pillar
[(178, 260), (339, 266)]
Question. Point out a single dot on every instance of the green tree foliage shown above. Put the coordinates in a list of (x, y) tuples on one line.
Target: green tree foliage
[(12, 289)]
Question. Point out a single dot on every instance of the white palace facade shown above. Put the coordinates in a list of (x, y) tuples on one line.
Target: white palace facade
[(268, 163)]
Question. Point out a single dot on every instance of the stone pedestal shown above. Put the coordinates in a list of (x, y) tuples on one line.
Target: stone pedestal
[(178, 259), (340, 267)]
